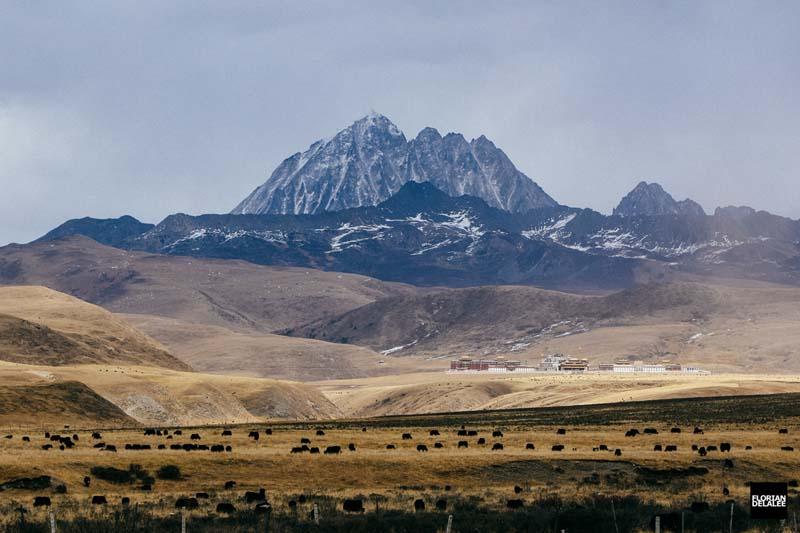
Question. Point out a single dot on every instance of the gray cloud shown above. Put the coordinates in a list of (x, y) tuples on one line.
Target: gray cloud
[(150, 108)]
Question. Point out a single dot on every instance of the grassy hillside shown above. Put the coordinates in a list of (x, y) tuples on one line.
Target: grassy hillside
[(57, 404), (231, 294), (42, 326)]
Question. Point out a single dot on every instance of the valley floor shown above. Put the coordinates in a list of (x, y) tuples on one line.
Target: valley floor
[(477, 475)]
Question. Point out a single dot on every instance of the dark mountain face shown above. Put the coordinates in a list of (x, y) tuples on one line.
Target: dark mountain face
[(651, 199), (112, 231), (370, 160), (423, 236), (420, 235)]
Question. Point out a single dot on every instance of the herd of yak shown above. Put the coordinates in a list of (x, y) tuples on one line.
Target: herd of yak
[(64, 442)]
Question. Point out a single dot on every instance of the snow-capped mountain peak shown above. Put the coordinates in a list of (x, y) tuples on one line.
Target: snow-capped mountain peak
[(370, 160)]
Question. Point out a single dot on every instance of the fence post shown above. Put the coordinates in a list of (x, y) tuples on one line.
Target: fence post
[(52, 522), (658, 524), (183, 523), (681, 521), (449, 523), (316, 514), (614, 514), (730, 524)]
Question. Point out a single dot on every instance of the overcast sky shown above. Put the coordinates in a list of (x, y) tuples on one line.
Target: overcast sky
[(151, 108)]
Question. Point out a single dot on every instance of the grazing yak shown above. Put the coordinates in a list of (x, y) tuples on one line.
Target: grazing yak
[(434, 433), (230, 485), (724, 446), (561, 431), (226, 508), (670, 448), (351, 447), (515, 504), (305, 440), (419, 505), (438, 445), (260, 496), (632, 432), (557, 448), (711, 448), (783, 431), (353, 506), (99, 500), (787, 448), (481, 441), (186, 503), (333, 450), (697, 431), (530, 446), (26, 438), (617, 452), (463, 444), (702, 451), (227, 433), (313, 449), (201, 495), (422, 448), (472, 433), (298, 449), (657, 448), (195, 436), (87, 481), (96, 435), (675, 430), (407, 436), (461, 433), (320, 433), (497, 446), (41, 501), (497, 433), (253, 435), (603, 447), (110, 448), (650, 431), (390, 446), (517, 489)]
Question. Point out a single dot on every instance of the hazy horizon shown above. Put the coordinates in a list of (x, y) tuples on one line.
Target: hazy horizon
[(148, 109)]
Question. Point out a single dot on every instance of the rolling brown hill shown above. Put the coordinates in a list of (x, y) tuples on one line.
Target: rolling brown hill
[(42, 326), (228, 293), (57, 404), (215, 315), (220, 350), (483, 317), (157, 396)]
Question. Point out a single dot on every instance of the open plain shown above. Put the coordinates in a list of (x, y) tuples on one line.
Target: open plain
[(485, 459)]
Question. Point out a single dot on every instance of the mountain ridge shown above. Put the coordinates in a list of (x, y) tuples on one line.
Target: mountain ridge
[(371, 159)]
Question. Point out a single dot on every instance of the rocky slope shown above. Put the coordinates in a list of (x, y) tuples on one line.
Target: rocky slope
[(367, 162)]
